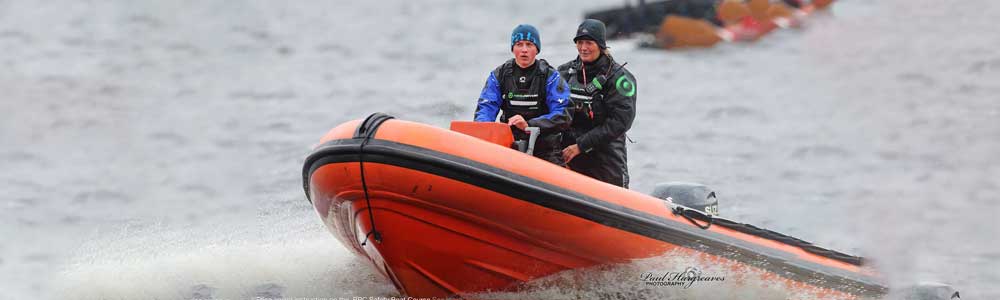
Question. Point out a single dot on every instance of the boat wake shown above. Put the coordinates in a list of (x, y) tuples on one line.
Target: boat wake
[(287, 258), (668, 276), (320, 268), (287, 254)]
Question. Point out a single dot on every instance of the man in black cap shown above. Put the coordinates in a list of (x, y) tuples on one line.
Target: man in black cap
[(531, 93), (603, 93)]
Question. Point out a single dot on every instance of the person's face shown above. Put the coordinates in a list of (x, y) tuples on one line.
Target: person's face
[(524, 53), (588, 49)]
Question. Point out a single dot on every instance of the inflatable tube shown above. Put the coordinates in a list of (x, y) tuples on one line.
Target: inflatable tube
[(442, 213)]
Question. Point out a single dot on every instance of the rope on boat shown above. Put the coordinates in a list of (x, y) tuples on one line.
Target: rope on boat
[(690, 214), (367, 130)]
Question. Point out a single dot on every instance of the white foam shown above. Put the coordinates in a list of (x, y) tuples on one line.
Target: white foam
[(292, 259), (624, 281)]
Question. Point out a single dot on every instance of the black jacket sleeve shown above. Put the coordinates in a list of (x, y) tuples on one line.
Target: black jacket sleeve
[(619, 95)]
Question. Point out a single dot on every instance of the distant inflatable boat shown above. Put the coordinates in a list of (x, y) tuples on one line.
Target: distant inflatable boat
[(705, 23), (442, 213)]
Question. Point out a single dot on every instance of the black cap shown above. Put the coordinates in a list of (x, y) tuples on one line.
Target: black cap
[(592, 29)]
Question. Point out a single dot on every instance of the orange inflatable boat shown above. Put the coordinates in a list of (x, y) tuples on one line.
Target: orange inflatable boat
[(742, 21), (442, 214)]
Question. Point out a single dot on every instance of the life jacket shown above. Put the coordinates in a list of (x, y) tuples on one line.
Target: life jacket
[(529, 102), (587, 98)]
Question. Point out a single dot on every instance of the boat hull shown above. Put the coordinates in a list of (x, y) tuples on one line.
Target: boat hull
[(443, 214)]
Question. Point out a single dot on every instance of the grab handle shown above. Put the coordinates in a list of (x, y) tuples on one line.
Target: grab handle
[(532, 136)]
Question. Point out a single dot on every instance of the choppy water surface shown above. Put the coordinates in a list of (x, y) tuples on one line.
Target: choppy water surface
[(153, 150)]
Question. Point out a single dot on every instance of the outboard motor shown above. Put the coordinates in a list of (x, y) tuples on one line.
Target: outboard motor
[(688, 194)]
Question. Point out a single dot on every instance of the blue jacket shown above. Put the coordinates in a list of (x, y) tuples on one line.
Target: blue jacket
[(556, 99)]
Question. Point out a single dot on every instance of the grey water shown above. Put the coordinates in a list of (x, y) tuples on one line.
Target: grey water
[(153, 149)]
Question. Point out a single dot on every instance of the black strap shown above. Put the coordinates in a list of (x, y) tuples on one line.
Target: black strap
[(366, 131), (691, 214), (368, 127)]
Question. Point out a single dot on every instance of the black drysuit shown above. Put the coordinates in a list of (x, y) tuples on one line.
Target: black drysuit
[(603, 109)]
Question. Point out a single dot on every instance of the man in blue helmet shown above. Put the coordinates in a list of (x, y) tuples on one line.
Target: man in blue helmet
[(530, 92), (603, 93)]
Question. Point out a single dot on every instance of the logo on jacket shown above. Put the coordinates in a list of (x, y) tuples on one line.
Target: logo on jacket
[(625, 86), (522, 79)]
